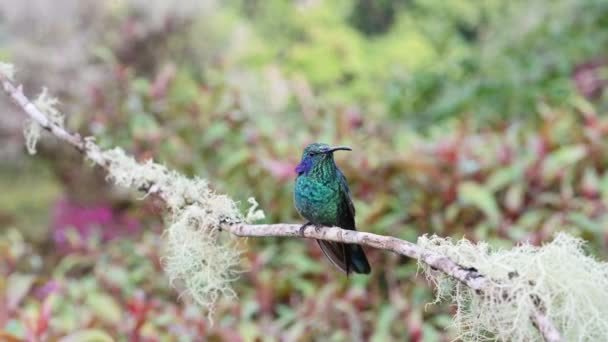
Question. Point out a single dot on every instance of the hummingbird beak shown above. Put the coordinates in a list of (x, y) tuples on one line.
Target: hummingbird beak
[(338, 148)]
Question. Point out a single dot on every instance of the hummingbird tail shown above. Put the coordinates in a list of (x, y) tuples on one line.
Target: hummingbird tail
[(358, 260)]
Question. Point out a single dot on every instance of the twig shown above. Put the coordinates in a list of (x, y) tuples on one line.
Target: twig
[(85, 146), (468, 276)]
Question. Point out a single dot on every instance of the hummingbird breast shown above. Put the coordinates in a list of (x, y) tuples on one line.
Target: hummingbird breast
[(318, 202)]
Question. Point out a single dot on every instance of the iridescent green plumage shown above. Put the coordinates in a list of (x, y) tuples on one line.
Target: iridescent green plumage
[(322, 197)]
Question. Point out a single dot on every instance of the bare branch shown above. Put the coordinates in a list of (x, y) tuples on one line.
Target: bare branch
[(468, 276)]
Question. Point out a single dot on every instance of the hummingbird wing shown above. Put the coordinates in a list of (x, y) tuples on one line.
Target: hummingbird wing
[(355, 255), (337, 253), (347, 217), (345, 257)]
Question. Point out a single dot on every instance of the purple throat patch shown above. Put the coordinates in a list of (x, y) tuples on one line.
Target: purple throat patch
[(304, 166)]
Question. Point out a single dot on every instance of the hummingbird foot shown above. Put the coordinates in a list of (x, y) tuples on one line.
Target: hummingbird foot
[(304, 227)]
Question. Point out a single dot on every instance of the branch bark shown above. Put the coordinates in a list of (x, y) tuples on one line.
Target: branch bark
[(468, 276)]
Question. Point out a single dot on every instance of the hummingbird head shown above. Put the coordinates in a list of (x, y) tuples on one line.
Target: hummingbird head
[(318, 154)]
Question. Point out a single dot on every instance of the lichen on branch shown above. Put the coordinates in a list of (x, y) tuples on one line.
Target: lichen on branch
[(572, 287), (32, 129), (197, 257)]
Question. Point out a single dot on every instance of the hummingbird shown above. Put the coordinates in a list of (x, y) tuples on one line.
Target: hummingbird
[(322, 197)]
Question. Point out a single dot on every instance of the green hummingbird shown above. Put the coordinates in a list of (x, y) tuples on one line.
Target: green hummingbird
[(322, 197)]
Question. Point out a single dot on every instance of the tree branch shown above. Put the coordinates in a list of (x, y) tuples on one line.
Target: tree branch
[(468, 276)]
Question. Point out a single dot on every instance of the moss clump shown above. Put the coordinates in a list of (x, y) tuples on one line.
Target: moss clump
[(572, 286), (197, 256)]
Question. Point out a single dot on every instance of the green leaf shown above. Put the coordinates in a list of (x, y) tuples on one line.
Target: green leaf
[(585, 223), (15, 327), (590, 181), (105, 307), (514, 197), (430, 333), (472, 193), (562, 158), (18, 285), (502, 177), (144, 126), (383, 324), (249, 331), (141, 85), (88, 335), (218, 131)]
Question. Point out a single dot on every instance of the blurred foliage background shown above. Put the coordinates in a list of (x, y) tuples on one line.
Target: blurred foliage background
[(483, 120)]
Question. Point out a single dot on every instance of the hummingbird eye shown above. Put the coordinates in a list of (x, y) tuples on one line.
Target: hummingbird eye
[(310, 154)]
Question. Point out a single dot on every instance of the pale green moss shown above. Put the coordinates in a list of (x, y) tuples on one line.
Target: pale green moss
[(48, 106), (197, 257), (31, 130), (254, 214), (572, 286)]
